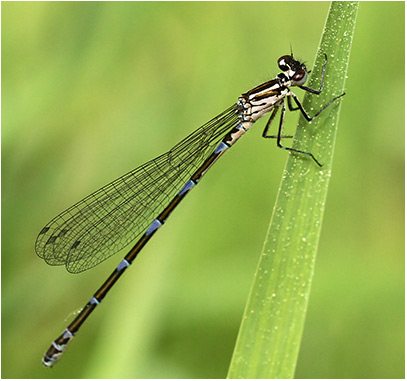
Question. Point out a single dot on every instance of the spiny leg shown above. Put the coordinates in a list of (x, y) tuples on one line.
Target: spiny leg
[(301, 107), (279, 136), (266, 129), (322, 80), (290, 105)]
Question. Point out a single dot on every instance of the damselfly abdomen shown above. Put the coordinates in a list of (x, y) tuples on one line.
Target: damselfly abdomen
[(138, 203)]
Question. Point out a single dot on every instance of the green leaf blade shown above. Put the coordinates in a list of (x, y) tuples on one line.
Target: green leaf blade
[(272, 326)]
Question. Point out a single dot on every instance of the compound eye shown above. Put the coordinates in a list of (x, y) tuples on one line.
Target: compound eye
[(284, 63), (300, 76)]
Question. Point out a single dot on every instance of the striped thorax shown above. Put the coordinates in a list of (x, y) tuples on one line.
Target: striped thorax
[(262, 99)]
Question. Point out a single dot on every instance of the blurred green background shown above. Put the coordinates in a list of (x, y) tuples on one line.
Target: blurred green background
[(92, 90)]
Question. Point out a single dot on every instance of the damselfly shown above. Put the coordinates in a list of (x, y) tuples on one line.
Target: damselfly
[(139, 203)]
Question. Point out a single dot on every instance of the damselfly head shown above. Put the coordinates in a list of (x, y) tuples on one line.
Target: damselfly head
[(295, 70)]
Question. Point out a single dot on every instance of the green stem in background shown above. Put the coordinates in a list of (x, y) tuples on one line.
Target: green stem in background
[(270, 334)]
